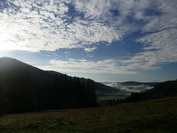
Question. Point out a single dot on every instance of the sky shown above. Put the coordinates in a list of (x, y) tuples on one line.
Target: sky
[(105, 40)]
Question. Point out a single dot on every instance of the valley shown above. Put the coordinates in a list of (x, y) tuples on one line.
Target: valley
[(37, 101)]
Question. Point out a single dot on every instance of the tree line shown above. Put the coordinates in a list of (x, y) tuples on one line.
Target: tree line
[(21, 92)]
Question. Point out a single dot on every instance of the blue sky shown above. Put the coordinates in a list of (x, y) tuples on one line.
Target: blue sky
[(105, 40)]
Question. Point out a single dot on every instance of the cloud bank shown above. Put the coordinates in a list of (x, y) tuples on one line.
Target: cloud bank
[(46, 25), (86, 66)]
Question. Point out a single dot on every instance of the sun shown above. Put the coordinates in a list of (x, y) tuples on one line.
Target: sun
[(6, 43), (4, 47), (8, 40)]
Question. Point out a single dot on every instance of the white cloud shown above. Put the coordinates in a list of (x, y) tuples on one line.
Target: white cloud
[(31, 29), (160, 48), (90, 49), (163, 46), (85, 66), (45, 25), (160, 41), (93, 8), (42, 25)]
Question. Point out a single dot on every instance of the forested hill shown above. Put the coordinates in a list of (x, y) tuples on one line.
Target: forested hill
[(25, 88), (161, 90)]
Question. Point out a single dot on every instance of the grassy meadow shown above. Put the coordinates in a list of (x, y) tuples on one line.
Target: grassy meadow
[(110, 97), (155, 116)]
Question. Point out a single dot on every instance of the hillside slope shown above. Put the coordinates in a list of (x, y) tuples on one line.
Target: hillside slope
[(25, 88), (161, 90), (155, 116)]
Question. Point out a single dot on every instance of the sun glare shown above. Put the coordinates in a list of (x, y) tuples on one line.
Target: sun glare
[(5, 42), (5, 46)]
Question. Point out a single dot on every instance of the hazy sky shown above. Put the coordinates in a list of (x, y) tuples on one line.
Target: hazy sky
[(106, 40)]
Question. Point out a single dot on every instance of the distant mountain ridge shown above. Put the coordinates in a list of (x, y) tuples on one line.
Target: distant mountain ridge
[(131, 83), (134, 83)]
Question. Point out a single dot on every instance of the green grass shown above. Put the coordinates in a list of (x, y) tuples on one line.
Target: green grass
[(156, 116)]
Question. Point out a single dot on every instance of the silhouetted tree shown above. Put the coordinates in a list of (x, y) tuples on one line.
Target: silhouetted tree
[(134, 97)]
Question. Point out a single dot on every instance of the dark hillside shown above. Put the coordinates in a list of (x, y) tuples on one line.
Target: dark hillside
[(25, 88), (134, 83), (161, 90), (101, 89)]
